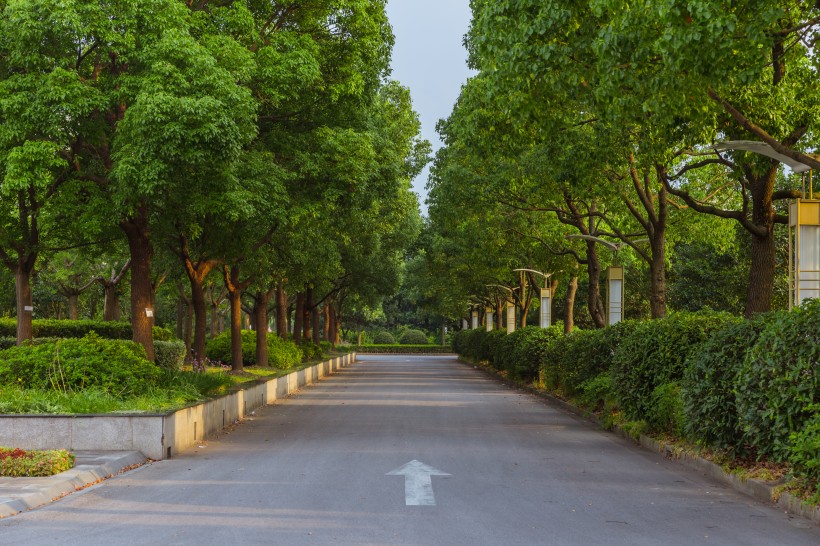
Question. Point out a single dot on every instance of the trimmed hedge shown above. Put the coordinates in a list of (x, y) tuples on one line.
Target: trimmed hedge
[(79, 328), (654, 354), (402, 349), (281, 354)]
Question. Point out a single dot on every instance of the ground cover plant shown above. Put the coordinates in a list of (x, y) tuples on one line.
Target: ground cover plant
[(15, 462)]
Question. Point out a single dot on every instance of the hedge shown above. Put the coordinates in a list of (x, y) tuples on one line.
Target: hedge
[(281, 353), (116, 366), (79, 328), (402, 349), (384, 338), (411, 337)]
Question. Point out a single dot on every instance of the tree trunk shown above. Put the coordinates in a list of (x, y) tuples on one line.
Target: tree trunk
[(200, 313), (298, 318), (190, 354), (73, 306), (657, 272), (317, 327), (569, 305), (281, 312), (594, 302), (22, 285), (762, 270), (499, 315), (235, 288), (142, 291), (260, 312), (326, 327), (333, 332), (308, 320)]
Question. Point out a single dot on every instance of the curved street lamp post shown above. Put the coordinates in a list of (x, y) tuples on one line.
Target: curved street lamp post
[(545, 295)]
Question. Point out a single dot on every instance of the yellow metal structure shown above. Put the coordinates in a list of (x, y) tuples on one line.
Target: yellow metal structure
[(614, 294)]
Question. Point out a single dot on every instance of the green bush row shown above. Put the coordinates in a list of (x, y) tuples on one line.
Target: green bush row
[(403, 349), (747, 387), (79, 328), (282, 353)]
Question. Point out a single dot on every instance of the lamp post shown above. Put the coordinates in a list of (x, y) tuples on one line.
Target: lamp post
[(804, 225), (614, 278), (545, 295), (510, 307)]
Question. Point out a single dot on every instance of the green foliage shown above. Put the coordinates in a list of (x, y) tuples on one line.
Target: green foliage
[(54, 328), (666, 414), (169, 354), (709, 385), (412, 337), (487, 351), (804, 450), (116, 366), (383, 338), (779, 383), (469, 342), (310, 350), (402, 349), (523, 352), (281, 353), (598, 393), (583, 355), (654, 353), (17, 462)]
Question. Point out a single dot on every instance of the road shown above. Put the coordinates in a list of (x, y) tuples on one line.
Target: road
[(330, 466)]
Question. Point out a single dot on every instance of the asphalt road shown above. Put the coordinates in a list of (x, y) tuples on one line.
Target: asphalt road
[(316, 470)]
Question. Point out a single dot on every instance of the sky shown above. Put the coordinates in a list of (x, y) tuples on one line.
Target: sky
[(430, 59)]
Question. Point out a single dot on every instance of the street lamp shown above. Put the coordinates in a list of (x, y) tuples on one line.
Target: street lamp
[(614, 278), (545, 295), (510, 307), (804, 226)]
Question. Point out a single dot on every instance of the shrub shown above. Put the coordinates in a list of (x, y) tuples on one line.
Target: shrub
[(708, 388), (654, 353), (804, 450), (17, 462), (54, 328), (310, 351), (779, 382), (468, 343), (413, 337), (384, 338), (116, 366), (488, 344), (281, 353), (530, 346), (169, 354), (667, 413)]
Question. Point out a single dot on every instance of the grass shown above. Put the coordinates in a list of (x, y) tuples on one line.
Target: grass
[(177, 389)]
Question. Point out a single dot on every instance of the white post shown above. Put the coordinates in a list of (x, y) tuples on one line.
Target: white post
[(510, 317), (804, 251), (474, 320), (489, 318), (546, 307), (615, 294)]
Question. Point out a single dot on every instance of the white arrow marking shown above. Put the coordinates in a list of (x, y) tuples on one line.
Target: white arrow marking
[(418, 487)]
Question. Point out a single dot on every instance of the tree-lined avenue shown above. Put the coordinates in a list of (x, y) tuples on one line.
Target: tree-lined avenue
[(312, 470)]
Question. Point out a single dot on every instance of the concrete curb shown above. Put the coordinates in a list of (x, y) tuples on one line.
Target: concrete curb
[(21, 494), (767, 492)]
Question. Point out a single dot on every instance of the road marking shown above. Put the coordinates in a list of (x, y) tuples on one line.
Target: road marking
[(418, 486)]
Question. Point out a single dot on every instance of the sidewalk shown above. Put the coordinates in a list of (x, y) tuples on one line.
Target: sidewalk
[(21, 494)]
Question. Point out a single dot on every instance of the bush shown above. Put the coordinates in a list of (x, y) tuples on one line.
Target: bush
[(527, 349), (488, 344), (310, 351), (413, 337), (402, 349), (582, 355), (709, 380), (281, 353), (804, 450), (54, 328), (18, 463), (116, 366), (667, 413), (384, 338), (779, 383), (169, 355), (654, 353), (468, 343)]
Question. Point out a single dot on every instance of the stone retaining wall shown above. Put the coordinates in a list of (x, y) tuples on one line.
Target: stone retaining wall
[(157, 436)]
